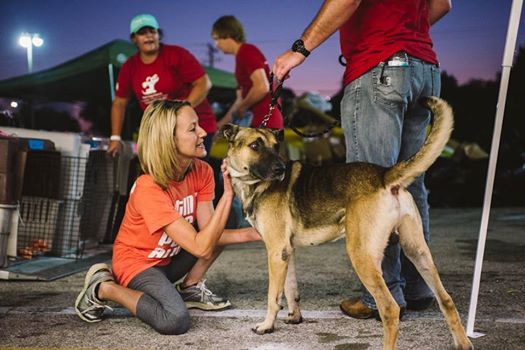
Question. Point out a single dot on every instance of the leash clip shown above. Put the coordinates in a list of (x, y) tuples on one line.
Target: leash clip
[(275, 94)]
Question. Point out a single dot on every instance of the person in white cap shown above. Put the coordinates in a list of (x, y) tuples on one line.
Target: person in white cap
[(157, 72)]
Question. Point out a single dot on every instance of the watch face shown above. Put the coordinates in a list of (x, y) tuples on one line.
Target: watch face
[(297, 45)]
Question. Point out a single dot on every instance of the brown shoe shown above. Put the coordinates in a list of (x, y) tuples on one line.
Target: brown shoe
[(355, 308)]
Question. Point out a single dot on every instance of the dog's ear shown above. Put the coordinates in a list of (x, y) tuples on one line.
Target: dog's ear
[(229, 131), (279, 134)]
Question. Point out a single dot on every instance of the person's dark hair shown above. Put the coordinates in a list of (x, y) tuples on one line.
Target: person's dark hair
[(161, 34), (229, 27)]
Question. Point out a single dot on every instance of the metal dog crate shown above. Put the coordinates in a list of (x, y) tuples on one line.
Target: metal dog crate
[(87, 195), (98, 197), (38, 224), (81, 187), (51, 219), (7, 212)]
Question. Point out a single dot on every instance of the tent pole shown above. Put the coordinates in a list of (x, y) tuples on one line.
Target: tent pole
[(111, 76), (508, 56)]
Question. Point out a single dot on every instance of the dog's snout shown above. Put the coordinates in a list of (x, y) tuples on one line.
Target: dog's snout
[(278, 168), (268, 167)]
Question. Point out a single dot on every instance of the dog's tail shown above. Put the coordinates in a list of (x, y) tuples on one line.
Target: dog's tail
[(403, 173)]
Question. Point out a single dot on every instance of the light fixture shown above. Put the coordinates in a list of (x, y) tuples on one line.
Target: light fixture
[(27, 41)]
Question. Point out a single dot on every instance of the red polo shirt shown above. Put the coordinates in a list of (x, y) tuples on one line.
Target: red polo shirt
[(168, 77), (247, 60), (380, 28)]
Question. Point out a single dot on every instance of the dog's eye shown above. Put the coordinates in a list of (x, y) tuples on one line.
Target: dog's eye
[(255, 146)]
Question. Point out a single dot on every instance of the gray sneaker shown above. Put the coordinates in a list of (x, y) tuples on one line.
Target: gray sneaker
[(200, 297), (87, 306)]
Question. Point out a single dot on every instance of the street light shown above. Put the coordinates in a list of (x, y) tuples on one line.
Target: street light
[(28, 40)]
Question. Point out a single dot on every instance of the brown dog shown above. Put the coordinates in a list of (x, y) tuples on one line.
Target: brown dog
[(297, 204)]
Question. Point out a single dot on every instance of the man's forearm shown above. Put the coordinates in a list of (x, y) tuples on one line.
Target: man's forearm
[(437, 9), (117, 118), (259, 89), (254, 96), (332, 15), (233, 108), (199, 90)]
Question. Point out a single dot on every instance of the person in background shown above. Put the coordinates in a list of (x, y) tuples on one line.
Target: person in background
[(170, 229), (390, 63), (158, 72), (252, 73)]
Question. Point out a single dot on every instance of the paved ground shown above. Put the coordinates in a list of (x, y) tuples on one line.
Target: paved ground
[(40, 314)]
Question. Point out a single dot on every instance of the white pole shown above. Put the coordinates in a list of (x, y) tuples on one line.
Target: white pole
[(508, 55), (30, 58), (111, 82)]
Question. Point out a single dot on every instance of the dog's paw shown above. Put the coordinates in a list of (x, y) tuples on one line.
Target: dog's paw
[(293, 318), (464, 345), (261, 329)]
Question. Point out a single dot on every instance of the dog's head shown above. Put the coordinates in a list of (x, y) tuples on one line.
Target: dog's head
[(254, 153)]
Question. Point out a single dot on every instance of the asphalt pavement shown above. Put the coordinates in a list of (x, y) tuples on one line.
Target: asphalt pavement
[(41, 315)]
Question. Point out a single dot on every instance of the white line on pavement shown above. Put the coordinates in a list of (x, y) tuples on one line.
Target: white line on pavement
[(242, 313)]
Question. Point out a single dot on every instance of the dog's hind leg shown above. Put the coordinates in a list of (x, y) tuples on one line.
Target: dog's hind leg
[(278, 255), (292, 293), (415, 248), (366, 239)]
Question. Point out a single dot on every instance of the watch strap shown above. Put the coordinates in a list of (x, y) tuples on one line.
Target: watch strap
[(298, 46)]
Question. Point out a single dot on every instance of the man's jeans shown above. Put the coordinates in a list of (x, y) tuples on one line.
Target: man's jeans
[(383, 123)]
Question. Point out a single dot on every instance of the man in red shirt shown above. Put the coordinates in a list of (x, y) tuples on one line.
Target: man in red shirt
[(156, 72), (390, 63), (252, 73)]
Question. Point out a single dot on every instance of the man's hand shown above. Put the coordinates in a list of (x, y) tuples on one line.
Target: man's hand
[(114, 148), (285, 63), (227, 118), (240, 111)]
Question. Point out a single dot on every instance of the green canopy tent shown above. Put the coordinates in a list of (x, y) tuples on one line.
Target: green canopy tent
[(91, 78)]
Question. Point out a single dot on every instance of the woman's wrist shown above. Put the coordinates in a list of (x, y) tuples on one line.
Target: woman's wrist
[(228, 195)]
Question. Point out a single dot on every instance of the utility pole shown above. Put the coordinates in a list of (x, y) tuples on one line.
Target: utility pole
[(212, 51)]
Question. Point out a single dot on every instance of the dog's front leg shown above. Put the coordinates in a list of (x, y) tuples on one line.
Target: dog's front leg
[(292, 293), (277, 265)]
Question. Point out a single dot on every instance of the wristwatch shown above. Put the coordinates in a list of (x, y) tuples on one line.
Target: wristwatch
[(298, 46)]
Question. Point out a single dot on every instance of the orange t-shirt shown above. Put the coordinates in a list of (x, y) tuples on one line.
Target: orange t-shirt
[(141, 241)]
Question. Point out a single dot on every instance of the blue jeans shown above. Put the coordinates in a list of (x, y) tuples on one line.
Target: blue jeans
[(383, 124), (245, 121)]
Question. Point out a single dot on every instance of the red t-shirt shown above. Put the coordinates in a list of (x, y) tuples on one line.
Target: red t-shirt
[(380, 28), (141, 241), (248, 59), (168, 77)]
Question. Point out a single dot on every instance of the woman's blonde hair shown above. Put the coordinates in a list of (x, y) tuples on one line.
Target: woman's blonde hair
[(157, 150)]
